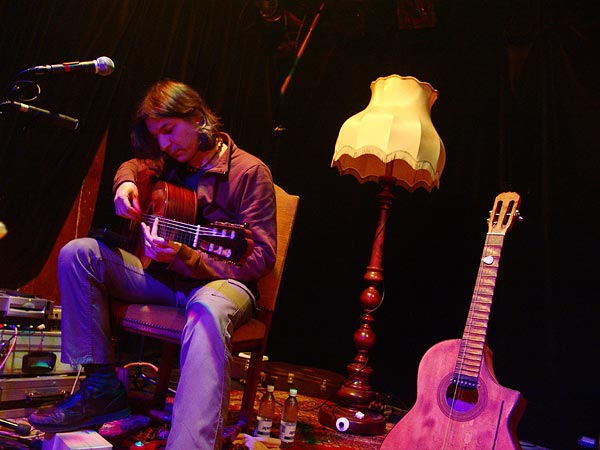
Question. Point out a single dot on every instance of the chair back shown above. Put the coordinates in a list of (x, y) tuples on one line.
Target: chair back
[(268, 286)]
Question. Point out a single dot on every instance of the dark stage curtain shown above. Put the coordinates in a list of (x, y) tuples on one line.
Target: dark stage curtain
[(215, 46), (518, 109)]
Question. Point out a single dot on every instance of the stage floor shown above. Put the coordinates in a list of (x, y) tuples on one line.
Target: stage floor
[(310, 434)]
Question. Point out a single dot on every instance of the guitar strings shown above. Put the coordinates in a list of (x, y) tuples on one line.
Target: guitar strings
[(171, 224)]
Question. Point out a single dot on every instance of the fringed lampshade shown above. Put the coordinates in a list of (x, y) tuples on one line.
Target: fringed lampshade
[(393, 137)]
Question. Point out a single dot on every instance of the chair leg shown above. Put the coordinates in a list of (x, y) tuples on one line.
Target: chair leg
[(164, 373), (249, 396)]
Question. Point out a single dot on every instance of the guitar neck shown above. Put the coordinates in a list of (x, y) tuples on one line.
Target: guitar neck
[(222, 240), (472, 346)]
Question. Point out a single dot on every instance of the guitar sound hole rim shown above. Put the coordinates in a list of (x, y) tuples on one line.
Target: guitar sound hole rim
[(460, 416)]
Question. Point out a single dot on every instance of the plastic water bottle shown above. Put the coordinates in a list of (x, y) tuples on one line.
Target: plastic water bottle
[(266, 411), (289, 418)]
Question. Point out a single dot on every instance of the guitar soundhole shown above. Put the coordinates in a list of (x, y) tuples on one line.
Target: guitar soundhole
[(461, 399), (459, 402)]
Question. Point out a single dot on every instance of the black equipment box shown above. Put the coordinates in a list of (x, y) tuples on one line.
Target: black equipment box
[(32, 374), (31, 353), (25, 306)]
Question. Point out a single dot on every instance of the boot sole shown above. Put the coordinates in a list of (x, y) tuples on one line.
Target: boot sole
[(92, 421)]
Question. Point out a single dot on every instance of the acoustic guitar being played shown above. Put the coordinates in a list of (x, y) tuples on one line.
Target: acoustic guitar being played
[(460, 405), (174, 208)]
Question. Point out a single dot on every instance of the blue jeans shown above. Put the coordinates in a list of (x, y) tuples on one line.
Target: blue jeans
[(90, 272)]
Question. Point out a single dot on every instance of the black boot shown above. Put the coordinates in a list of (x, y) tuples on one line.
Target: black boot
[(101, 398)]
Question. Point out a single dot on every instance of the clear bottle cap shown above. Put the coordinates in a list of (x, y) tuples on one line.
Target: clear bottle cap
[(270, 388), (293, 392)]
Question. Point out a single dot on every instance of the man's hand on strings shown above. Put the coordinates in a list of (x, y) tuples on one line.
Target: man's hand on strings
[(156, 247), (126, 201)]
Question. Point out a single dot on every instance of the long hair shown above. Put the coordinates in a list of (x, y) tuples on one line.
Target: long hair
[(169, 98)]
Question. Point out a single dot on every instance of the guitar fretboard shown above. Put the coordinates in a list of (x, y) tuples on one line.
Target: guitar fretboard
[(471, 350)]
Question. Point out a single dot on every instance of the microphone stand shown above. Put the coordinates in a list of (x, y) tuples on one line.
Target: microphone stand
[(35, 113)]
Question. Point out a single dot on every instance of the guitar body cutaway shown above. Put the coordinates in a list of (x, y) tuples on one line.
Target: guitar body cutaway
[(448, 417)]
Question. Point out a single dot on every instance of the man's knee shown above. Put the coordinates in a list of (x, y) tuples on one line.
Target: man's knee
[(77, 249)]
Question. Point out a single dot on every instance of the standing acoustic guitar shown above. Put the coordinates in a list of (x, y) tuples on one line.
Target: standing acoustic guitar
[(460, 405)]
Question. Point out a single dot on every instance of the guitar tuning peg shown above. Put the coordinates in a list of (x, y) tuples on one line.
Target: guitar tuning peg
[(518, 216)]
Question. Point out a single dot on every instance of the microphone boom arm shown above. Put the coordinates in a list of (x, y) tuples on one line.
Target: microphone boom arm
[(54, 118)]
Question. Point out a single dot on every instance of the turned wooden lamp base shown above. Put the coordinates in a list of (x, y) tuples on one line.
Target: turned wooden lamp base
[(345, 420)]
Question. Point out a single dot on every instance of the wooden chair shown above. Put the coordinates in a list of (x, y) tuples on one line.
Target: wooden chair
[(166, 323)]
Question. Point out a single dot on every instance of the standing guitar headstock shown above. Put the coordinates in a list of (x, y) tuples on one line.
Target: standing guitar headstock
[(504, 213)]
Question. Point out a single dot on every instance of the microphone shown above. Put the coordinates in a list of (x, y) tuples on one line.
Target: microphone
[(102, 66), (21, 428), (42, 114)]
